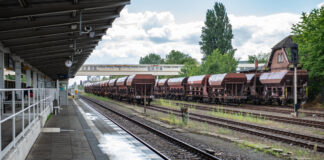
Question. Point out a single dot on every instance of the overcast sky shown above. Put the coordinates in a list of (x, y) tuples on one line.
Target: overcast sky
[(159, 26)]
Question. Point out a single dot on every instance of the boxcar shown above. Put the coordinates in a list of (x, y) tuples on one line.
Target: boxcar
[(177, 88), (140, 87)]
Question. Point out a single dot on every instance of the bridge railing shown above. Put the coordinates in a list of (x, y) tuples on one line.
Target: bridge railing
[(19, 110)]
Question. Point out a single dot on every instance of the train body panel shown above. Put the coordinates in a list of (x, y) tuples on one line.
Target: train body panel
[(162, 88), (141, 88), (177, 88), (227, 87), (197, 88)]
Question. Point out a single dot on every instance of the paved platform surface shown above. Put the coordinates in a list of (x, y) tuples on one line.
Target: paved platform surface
[(85, 134), (75, 141), (113, 140)]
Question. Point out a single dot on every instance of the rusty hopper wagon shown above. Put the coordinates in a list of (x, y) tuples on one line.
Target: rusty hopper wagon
[(278, 86), (162, 88), (227, 87), (105, 88), (177, 88), (121, 88), (112, 93), (197, 88), (140, 87), (254, 88)]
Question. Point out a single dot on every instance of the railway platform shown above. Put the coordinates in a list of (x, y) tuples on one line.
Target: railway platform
[(81, 133)]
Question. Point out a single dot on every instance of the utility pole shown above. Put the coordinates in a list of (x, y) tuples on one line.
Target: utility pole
[(294, 59), (144, 98)]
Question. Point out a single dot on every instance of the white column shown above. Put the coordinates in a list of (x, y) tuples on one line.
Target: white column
[(28, 76), (18, 77), (39, 85), (2, 69), (57, 90), (34, 79)]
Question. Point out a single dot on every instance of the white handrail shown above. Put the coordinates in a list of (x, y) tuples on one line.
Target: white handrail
[(40, 102)]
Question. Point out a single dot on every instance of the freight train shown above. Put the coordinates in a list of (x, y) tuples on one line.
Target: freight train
[(135, 88), (267, 87), (273, 84)]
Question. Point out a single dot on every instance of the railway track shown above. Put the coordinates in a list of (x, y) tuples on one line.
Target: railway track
[(283, 110), (168, 145), (280, 109), (306, 141), (297, 121)]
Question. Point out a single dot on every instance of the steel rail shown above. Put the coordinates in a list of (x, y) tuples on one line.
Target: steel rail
[(303, 122), (183, 144), (253, 129)]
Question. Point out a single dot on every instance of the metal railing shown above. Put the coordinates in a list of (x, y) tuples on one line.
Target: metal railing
[(19, 110)]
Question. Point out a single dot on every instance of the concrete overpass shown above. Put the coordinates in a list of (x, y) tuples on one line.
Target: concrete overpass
[(129, 69)]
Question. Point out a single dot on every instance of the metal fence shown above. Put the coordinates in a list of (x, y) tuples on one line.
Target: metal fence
[(19, 110)]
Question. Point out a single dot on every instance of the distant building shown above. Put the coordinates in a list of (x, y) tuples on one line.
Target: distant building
[(246, 66), (280, 57)]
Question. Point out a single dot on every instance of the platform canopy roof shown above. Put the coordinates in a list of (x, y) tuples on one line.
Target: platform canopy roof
[(46, 33)]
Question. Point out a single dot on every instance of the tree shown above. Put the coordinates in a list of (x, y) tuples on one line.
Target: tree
[(308, 34), (219, 63), (104, 78), (217, 32), (261, 57), (190, 69), (151, 58), (177, 57), (214, 63)]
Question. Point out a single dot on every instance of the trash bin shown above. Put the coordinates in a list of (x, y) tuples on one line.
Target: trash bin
[(55, 106)]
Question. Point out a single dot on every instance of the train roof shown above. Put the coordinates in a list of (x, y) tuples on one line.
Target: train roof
[(273, 77), (145, 77), (249, 77), (112, 82), (176, 81), (218, 79), (121, 81), (197, 79), (162, 82)]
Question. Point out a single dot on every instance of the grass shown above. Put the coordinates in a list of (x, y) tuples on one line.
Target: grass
[(224, 131), (316, 131), (171, 119), (106, 99), (220, 112), (241, 117), (48, 117), (166, 103), (171, 104)]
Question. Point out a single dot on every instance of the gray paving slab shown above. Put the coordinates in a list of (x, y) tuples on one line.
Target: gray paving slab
[(114, 141), (70, 143)]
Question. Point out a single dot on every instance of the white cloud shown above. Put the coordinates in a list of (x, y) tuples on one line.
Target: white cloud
[(320, 5), (135, 35), (255, 34)]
